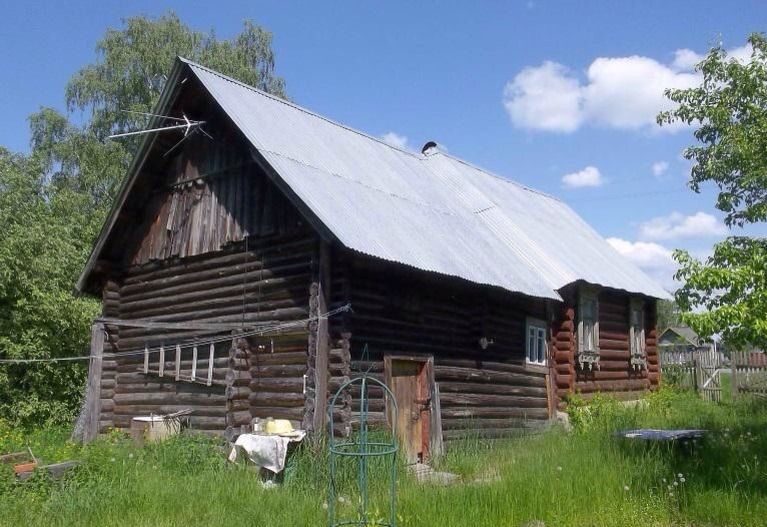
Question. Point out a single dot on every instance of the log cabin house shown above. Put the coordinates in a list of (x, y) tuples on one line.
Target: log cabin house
[(481, 302)]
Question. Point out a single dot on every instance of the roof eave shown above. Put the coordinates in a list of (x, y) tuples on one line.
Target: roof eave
[(315, 221), (654, 295)]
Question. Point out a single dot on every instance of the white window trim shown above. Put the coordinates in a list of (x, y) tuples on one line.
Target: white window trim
[(638, 356), (588, 357), (540, 325), (637, 305), (587, 295)]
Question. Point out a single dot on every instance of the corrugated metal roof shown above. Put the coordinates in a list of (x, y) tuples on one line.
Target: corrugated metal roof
[(432, 212)]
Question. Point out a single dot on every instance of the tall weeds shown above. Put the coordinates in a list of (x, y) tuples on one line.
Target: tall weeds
[(588, 477)]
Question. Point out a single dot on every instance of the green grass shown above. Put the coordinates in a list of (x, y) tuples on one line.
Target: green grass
[(584, 478), (726, 383)]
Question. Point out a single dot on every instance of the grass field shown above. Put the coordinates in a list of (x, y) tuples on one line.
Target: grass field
[(584, 478)]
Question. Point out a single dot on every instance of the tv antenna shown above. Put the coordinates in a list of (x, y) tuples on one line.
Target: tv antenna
[(188, 126)]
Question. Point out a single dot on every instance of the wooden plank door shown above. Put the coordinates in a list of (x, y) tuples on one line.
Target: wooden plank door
[(409, 381)]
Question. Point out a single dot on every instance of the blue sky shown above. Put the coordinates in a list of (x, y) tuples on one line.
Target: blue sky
[(557, 95)]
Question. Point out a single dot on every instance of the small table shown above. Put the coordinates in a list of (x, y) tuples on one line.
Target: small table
[(266, 450)]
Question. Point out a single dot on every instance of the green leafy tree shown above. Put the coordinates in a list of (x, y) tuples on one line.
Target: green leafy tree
[(726, 293), (125, 81), (731, 287), (136, 58), (54, 200), (39, 315), (668, 314)]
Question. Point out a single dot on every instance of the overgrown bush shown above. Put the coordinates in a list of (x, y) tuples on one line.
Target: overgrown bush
[(598, 414)]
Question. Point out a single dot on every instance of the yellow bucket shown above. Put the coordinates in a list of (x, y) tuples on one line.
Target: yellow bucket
[(278, 426)]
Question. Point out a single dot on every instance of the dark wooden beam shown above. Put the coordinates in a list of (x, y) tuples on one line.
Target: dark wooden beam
[(146, 323), (93, 395), (323, 337)]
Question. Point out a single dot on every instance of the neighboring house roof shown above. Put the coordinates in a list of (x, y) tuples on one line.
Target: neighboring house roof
[(684, 333), (433, 212)]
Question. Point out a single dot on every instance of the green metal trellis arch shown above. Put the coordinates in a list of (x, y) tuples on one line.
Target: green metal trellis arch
[(361, 448)]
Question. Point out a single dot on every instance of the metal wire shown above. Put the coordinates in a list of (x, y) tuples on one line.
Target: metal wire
[(256, 332)]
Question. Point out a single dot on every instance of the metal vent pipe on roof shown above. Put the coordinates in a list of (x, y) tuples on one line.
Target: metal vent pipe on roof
[(429, 148)]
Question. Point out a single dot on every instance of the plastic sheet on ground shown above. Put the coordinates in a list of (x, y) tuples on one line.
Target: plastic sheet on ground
[(649, 434)]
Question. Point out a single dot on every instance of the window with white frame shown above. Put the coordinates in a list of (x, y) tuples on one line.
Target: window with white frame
[(536, 342), (588, 322), (588, 329), (637, 334)]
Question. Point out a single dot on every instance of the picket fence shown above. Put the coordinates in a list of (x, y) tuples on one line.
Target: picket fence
[(702, 371)]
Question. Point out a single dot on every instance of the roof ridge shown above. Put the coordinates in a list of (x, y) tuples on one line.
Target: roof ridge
[(364, 134), (299, 107)]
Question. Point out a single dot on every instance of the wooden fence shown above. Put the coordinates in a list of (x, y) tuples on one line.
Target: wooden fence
[(698, 370), (749, 373), (702, 371)]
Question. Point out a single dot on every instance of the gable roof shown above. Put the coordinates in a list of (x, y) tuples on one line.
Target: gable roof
[(432, 212), (685, 333)]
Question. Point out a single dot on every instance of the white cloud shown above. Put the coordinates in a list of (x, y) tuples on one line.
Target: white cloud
[(627, 92), (647, 255), (659, 168), (544, 98), (395, 139), (741, 54), (588, 177), (685, 59), (677, 225), (653, 258), (616, 92)]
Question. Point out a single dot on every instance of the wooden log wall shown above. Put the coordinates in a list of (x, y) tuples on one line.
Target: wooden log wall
[(489, 391), (340, 356), (206, 237), (238, 380), (564, 344), (110, 308), (615, 375), (651, 343), (329, 290), (266, 285), (312, 402)]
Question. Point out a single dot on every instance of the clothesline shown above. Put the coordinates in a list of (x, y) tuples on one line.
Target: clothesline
[(214, 340)]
